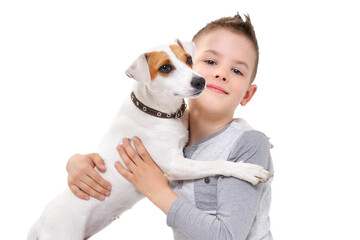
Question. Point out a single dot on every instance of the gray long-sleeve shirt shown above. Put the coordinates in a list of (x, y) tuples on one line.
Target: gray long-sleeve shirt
[(224, 207)]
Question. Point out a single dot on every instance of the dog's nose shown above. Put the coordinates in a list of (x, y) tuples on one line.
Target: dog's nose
[(198, 82)]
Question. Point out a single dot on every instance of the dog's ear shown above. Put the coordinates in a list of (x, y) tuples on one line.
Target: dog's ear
[(139, 69), (188, 47)]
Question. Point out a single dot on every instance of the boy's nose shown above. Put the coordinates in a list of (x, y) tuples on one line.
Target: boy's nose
[(218, 77), (220, 73)]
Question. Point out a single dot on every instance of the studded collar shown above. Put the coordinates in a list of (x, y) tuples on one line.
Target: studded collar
[(178, 114)]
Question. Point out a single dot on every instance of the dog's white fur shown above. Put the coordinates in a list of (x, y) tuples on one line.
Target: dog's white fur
[(68, 217)]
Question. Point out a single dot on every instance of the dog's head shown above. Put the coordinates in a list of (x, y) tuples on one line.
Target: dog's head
[(167, 71)]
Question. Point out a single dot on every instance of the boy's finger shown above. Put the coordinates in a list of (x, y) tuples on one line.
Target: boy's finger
[(100, 181), (85, 188), (127, 161), (80, 194), (99, 162), (124, 172), (88, 180), (130, 151), (140, 148)]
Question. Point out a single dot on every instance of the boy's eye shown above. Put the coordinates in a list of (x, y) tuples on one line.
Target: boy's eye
[(166, 68), (211, 62), (236, 71)]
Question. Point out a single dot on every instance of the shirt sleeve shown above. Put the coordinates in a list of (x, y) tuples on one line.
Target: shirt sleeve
[(237, 200)]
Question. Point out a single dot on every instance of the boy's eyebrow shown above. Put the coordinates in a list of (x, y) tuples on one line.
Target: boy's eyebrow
[(219, 54)]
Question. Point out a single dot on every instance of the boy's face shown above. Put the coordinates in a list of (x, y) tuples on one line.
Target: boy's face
[(226, 60)]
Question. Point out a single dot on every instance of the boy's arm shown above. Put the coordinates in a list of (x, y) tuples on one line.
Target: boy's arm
[(237, 200)]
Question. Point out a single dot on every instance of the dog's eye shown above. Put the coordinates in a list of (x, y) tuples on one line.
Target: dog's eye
[(165, 68), (189, 60)]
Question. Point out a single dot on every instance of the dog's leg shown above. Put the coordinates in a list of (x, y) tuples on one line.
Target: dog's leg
[(186, 169), (63, 218), (32, 235)]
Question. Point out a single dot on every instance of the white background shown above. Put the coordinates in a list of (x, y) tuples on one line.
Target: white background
[(62, 79)]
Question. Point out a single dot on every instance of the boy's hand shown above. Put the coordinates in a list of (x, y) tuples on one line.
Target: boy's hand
[(84, 180), (145, 174)]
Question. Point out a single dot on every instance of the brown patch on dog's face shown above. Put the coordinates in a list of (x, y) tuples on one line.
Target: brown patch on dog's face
[(159, 63), (182, 55)]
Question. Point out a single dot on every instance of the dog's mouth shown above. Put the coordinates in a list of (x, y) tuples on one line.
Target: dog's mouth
[(193, 94), (196, 93)]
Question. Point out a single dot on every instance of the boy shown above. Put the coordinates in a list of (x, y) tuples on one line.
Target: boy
[(213, 207)]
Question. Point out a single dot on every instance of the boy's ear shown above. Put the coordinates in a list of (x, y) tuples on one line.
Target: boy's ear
[(188, 47), (248, 95), (139, 69)]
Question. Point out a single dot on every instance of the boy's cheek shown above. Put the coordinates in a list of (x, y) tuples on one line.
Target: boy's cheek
[(196, 66), (200, 70)]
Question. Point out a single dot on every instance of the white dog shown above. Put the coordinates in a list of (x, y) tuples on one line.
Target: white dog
[(165, 77)]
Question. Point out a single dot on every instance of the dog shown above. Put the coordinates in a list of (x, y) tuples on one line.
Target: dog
[(153, 112)]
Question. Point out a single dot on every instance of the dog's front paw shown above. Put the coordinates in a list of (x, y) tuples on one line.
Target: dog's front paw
[(253, 173)]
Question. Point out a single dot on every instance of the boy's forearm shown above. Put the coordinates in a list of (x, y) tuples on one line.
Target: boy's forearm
[(163, 199)]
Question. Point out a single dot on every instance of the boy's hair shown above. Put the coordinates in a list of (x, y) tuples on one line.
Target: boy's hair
[(237, 25)]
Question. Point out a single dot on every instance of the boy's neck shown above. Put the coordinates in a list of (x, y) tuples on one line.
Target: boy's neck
[(202, 124)]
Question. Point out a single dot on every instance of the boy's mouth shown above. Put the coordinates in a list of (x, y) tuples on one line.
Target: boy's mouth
[(216, 88)]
